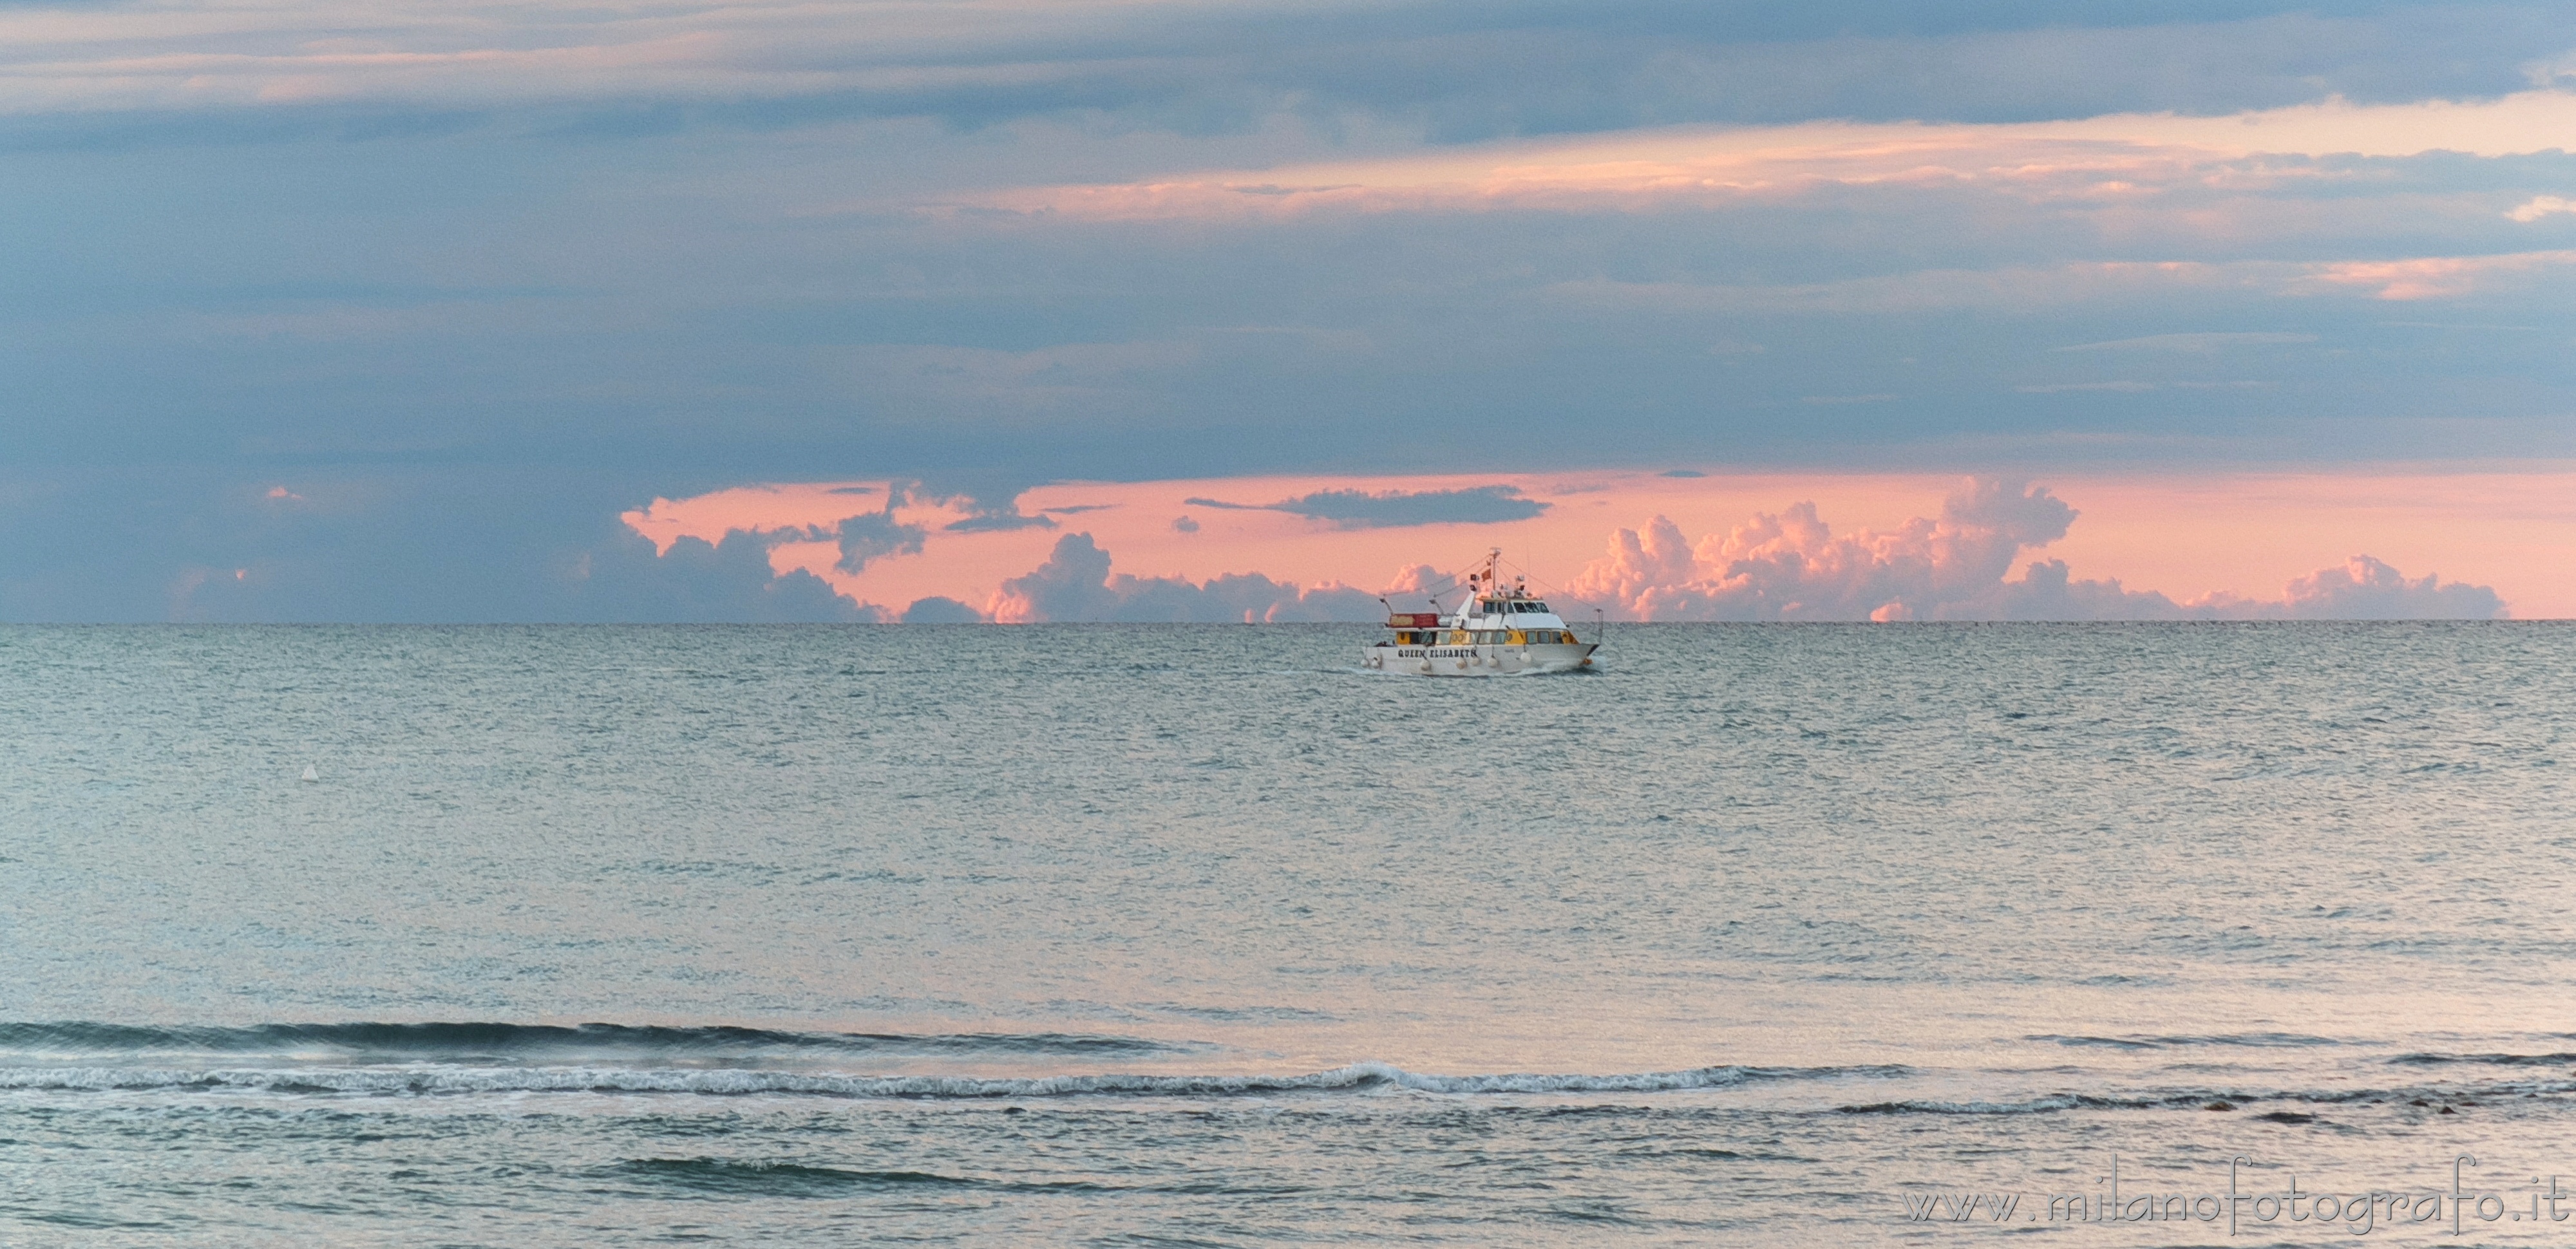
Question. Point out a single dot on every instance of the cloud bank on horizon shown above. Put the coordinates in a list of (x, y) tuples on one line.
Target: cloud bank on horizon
[(389, 310), (1791, 565)]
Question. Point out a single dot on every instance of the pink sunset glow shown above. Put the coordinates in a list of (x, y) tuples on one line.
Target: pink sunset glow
[(2114, 160), (1649, 546)]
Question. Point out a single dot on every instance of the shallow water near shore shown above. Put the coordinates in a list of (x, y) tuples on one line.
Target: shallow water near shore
[(1208, 935)]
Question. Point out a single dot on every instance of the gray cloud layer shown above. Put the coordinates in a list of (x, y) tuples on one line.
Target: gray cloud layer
[(1451, 72), (1360, 509), (471, 280), (1075, 584)]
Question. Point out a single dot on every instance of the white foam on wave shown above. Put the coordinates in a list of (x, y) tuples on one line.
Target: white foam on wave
[(380, 1081)]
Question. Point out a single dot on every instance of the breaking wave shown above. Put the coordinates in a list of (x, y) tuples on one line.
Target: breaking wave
[(1359, 1077), (739, 1177), (2489, 1060), (2224, 1100), (451, 1042), (2247, 1040)]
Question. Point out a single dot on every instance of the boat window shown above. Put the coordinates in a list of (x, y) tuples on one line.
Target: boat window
[(1534, 607)]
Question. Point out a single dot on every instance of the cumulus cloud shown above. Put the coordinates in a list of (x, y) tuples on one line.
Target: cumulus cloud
[(697, 581), (1075, 584), (2366, 589), (1360, 509), (939, 609), (875, 535), (1792, 566)]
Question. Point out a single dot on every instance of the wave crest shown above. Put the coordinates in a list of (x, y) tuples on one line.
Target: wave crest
[(449, 1042), (1358, 1077)]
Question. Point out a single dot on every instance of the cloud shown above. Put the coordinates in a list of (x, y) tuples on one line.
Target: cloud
[(2100, 164), (2009, 289), (2195, 342), (1792, 566), (1359, 509), (875, 535), (940, 610), (1453, 72), (1000, 522), (1075, 584), (2362, 589), (2057, 388), (2366, 589), (694, 581), (2540, 206), (2439, 277)]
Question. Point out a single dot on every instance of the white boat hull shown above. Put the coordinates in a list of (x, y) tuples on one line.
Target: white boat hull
[(1490, 660)]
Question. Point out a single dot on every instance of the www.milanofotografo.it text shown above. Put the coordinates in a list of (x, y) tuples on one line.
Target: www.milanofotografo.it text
[(2245, 1207)]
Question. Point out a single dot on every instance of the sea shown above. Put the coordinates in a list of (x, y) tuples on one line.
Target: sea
[(1912, 934)]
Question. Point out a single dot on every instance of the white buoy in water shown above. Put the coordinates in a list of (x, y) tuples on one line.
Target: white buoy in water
[(310, 774)]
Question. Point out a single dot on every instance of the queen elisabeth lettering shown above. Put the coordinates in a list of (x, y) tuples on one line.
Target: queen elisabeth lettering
[(2244, 1207)]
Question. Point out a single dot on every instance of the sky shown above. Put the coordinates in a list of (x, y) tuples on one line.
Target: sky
[(1193, 310)]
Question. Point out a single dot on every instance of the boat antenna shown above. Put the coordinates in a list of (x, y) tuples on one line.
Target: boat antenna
[(1601, 630)]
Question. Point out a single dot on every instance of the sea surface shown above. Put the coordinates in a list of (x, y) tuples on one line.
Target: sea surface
[(1206, 935)]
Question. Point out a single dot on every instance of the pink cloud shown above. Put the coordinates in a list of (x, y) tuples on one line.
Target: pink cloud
[(1792, 566), (2438, 277), (1671, 173), (2199, 539), (2120, 158)]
